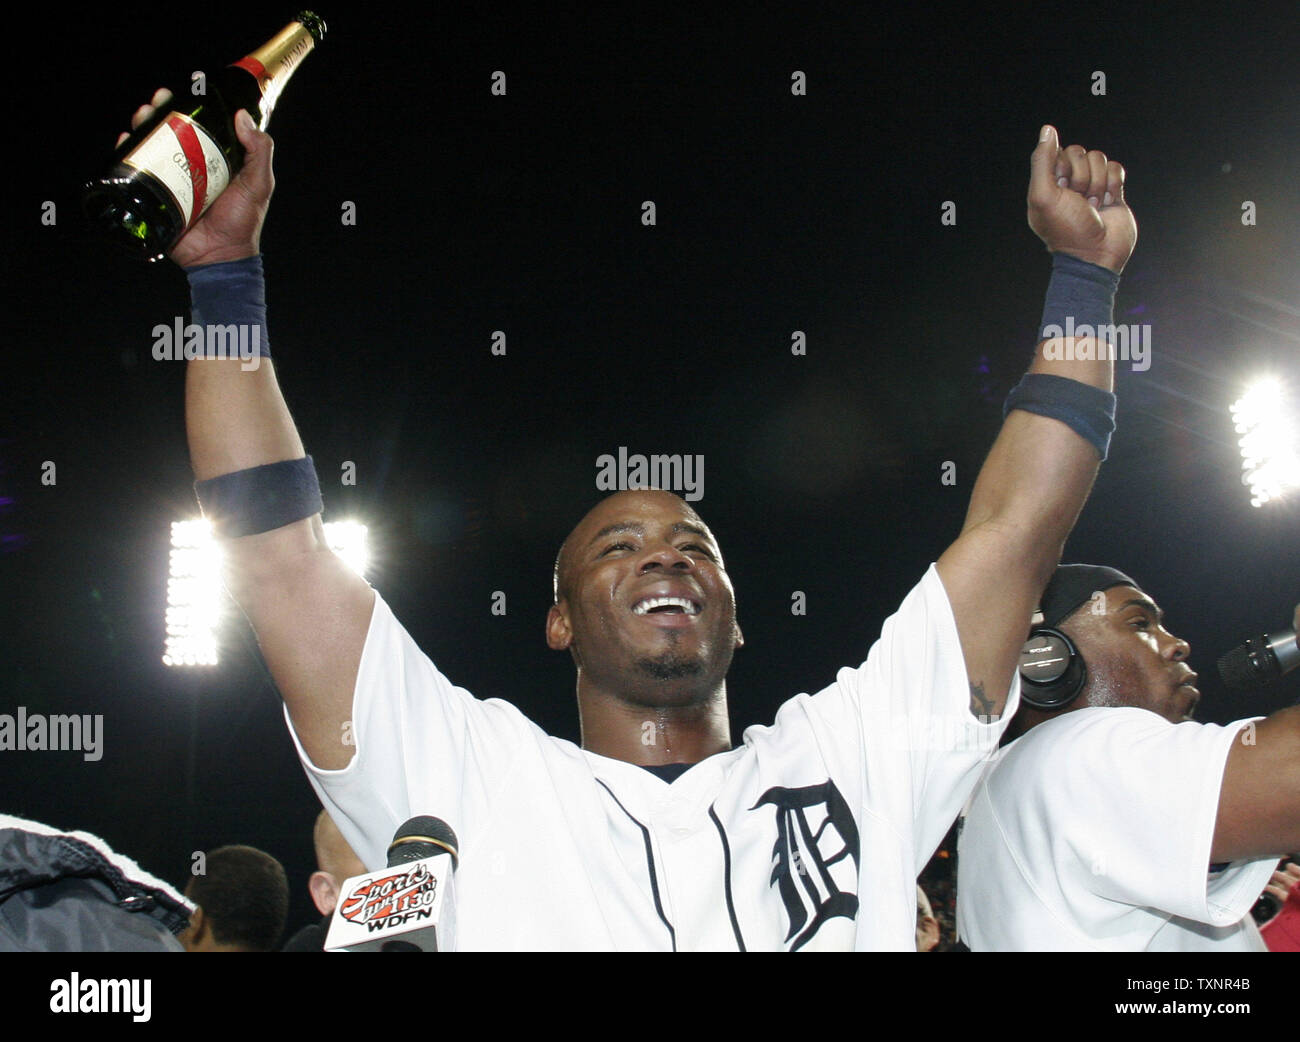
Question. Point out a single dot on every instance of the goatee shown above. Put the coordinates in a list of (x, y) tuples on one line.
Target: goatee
[(669, 666)]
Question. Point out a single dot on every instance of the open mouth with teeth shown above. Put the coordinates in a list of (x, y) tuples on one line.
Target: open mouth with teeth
[(665, 606)]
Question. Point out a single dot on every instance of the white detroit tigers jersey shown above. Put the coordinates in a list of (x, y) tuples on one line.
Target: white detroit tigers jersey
[(1092, 833), (809, 836)]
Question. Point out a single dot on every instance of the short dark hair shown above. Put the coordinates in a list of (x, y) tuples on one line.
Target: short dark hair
[(244, 894)]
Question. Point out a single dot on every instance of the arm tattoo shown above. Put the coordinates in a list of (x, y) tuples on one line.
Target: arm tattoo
[(980, 704)]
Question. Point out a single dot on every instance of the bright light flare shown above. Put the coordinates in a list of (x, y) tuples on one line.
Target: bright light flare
[(348, 540), (196, 596), (193, 596), (1269, 458)]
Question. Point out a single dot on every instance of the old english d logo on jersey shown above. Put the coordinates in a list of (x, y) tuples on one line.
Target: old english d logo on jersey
[(807, 851)]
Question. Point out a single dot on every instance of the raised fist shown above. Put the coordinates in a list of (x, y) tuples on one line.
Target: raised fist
[(1076, 203)]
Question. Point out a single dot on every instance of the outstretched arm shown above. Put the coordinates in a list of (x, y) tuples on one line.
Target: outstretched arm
[(1259, 801), (1039, 472), (310, 611)]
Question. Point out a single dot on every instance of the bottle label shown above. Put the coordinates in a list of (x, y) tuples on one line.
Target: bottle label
[(187, 160)]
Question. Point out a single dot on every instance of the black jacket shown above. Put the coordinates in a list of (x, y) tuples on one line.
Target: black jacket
[(69, 892)]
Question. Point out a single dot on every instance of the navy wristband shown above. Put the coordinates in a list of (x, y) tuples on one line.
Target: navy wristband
[(232, 293), (260, 499), (1079, 294), (1088, 411)]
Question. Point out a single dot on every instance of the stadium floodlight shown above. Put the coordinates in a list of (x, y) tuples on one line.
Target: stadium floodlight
[(196, 599), (1270, 459), (193, 596)]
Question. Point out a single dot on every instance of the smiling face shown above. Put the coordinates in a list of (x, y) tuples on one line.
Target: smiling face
[(644, 604), (1132, 659)]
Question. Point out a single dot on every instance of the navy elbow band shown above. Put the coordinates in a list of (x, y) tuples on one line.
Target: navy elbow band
[(260, 499), (1088, 411)]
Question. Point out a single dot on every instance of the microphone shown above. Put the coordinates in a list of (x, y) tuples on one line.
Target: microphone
[(1260, 661), (408, 909)]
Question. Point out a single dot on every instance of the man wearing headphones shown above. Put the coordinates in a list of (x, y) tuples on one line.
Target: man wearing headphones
[(1095, 829)]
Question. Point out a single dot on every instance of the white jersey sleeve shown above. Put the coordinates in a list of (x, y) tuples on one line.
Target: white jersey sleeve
[(415, 733), (903, 720), (1094, 831)]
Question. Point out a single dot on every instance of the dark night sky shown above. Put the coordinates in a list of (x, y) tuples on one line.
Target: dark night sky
[(522, 213)]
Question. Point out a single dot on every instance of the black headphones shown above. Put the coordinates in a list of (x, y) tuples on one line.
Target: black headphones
[(1052, 672)]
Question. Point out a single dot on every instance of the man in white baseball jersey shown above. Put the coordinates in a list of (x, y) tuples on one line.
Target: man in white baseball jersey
[(1115, 822), (811, 833)]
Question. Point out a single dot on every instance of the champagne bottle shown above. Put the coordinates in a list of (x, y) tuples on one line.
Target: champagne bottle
[(174, 165)]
